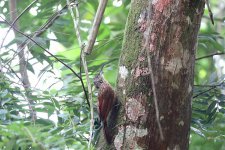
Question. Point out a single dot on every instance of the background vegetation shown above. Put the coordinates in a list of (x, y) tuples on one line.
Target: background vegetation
[(63, 117)]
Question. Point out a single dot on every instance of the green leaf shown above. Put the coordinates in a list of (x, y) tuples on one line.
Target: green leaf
[(222, 110), (5, 100), (4, 93), (30, 67), (3, 113), (45, 122), (197, 131), (211, 107)]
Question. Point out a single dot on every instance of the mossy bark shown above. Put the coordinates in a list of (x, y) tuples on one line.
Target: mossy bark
[(167, 31)]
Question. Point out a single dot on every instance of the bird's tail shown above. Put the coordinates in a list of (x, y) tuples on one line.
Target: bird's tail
[(107, 133)]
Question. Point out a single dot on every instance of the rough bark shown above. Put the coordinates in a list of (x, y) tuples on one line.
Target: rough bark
[(169, 36)]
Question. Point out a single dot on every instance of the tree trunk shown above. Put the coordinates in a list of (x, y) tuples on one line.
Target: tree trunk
[(157, 68)]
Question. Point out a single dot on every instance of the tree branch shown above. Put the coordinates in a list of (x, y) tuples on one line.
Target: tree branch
[(84, 62), (96, 25), (210, 55), (210, 12), (211, 88)]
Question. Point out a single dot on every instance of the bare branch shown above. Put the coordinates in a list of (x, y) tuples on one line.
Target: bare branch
[(84, 62), (210, 12), (214, 18), (204, 85), (10, 68), (2, 22), (211, 88), (210, 55), (96, 25)]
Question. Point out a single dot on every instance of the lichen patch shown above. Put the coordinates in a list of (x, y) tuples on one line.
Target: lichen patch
[(185, 58), (174, 65), (134, 109), (189, 88), (142, 21), (141, 132), (188, 19), (141, 72), (141, 58), (162, 60), (118, 142), (175, 86), (161, 118), (123, 72), (181, 123), (124, 92), (154, 2), (132, 134), (160, 5), (176, 147)]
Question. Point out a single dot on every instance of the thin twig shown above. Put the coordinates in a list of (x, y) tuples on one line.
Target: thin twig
[(215, 19), (41, 75), (204, 85), (2, 22), (10, 68), (211, 88), (210, 12), (155, 96), (210, 55), (152, 75), (50, 21), (31, 39), (83, 57), (96, 25), (34, 141)]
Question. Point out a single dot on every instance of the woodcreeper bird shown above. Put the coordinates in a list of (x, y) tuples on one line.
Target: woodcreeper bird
[(106, 101)]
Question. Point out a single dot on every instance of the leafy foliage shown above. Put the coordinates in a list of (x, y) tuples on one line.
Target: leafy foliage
[(208, 99), (62, 112)]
